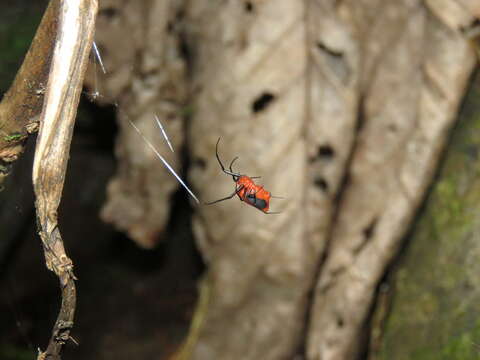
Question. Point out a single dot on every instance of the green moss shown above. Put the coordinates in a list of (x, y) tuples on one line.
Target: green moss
[(465, 346), (18, 24), (13, 137), (434, 312)]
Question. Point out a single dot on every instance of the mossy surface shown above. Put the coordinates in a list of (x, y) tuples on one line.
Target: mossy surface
[(13, 137), (435, 312)]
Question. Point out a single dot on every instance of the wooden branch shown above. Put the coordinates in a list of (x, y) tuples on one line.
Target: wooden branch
[(70, 58), (22, 103)]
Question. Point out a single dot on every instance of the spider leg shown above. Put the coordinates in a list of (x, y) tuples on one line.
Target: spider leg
[(234, 159), (221, 164), (227, 197)]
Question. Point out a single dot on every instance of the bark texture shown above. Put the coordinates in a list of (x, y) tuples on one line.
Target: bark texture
[(76, 24), (140, 43)]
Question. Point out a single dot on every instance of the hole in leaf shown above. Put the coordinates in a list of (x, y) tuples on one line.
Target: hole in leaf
[(340, 321), (321, 183), (326, 152), (262, 102)]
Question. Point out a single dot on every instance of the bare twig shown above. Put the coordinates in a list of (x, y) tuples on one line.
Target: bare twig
[(76, 22)]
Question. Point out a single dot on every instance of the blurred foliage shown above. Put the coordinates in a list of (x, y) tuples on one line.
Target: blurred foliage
[(9, 352), (18, 23)]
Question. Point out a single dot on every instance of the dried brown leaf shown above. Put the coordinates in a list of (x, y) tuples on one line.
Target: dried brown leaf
[(251, 64), (410, 103)]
